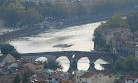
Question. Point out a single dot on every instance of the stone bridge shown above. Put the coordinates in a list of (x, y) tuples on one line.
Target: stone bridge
[(92, 56)]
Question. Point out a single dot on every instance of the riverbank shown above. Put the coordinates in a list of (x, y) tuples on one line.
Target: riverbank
[(41, 27)]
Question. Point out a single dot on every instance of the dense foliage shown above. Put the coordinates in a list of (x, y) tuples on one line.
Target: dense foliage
[(16, 79), (52, 64), (126, 65), (116, 21), (16, 13), (24, 78), (9, 49), (132, 19)]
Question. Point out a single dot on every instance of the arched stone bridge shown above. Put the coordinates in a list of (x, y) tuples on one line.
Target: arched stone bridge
[(92, 56)]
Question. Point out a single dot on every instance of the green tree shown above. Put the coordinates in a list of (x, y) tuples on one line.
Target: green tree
[(52, 64), (116, 21), (16, 79), (31, 16), (25, 78), (6, 48), (127, 64), (130, 63), (26, 75), (132, 19), (12, 12), (15, 54)]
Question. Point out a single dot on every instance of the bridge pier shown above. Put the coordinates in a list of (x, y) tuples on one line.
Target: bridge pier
[(73, 64), (92, 65)]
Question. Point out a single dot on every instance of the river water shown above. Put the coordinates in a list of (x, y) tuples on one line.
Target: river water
[(75, 38)]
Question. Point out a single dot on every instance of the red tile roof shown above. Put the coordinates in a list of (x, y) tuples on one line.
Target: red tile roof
[(89, 74)]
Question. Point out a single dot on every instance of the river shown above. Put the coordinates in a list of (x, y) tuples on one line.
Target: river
[(74, 38)]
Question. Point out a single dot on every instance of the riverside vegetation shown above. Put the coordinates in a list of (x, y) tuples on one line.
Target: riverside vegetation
[(20, 13)]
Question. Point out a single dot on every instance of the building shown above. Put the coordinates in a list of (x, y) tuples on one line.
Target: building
[(58, 77), (35, 67), (119, 40), (6, 59), (78, 74), (131, 80), (95, 77), (39, 78)]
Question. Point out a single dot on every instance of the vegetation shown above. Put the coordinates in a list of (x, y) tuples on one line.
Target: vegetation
[(16, 13), (16, 79), (26, 75), (9, 49), (126, 65), (52, 64), (115, 21), (24, 78), (132, 19)]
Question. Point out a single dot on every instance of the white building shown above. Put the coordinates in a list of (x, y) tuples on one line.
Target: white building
[(94, 77), (130, 80)]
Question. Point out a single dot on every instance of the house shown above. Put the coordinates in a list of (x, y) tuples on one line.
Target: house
[(39, 77), (131, 80), (77, 75), (34, 67), (58, 77), (95, 77), (120, 41), (13, 65), (48, 71), (89, 78), (6, 59)]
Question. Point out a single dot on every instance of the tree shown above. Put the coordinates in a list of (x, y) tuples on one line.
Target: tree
[(15, 54), (116, 21), (26, 75), (11, 12), (127, 64), (6, 48), (25, 78), (16, 79), (52, 64), (130, 63), (132, 19), (31, 16)]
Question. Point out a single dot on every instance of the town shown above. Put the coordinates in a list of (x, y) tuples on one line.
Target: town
[(113, 38)]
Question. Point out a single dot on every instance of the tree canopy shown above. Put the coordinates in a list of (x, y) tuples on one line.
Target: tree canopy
[(126, 65), (132, 19), (7, 48), (17, 13), (52, 64), (116, 21), (16, 79)]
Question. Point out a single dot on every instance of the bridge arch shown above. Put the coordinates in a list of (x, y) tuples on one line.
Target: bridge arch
[(65, 62), (83, 61)]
